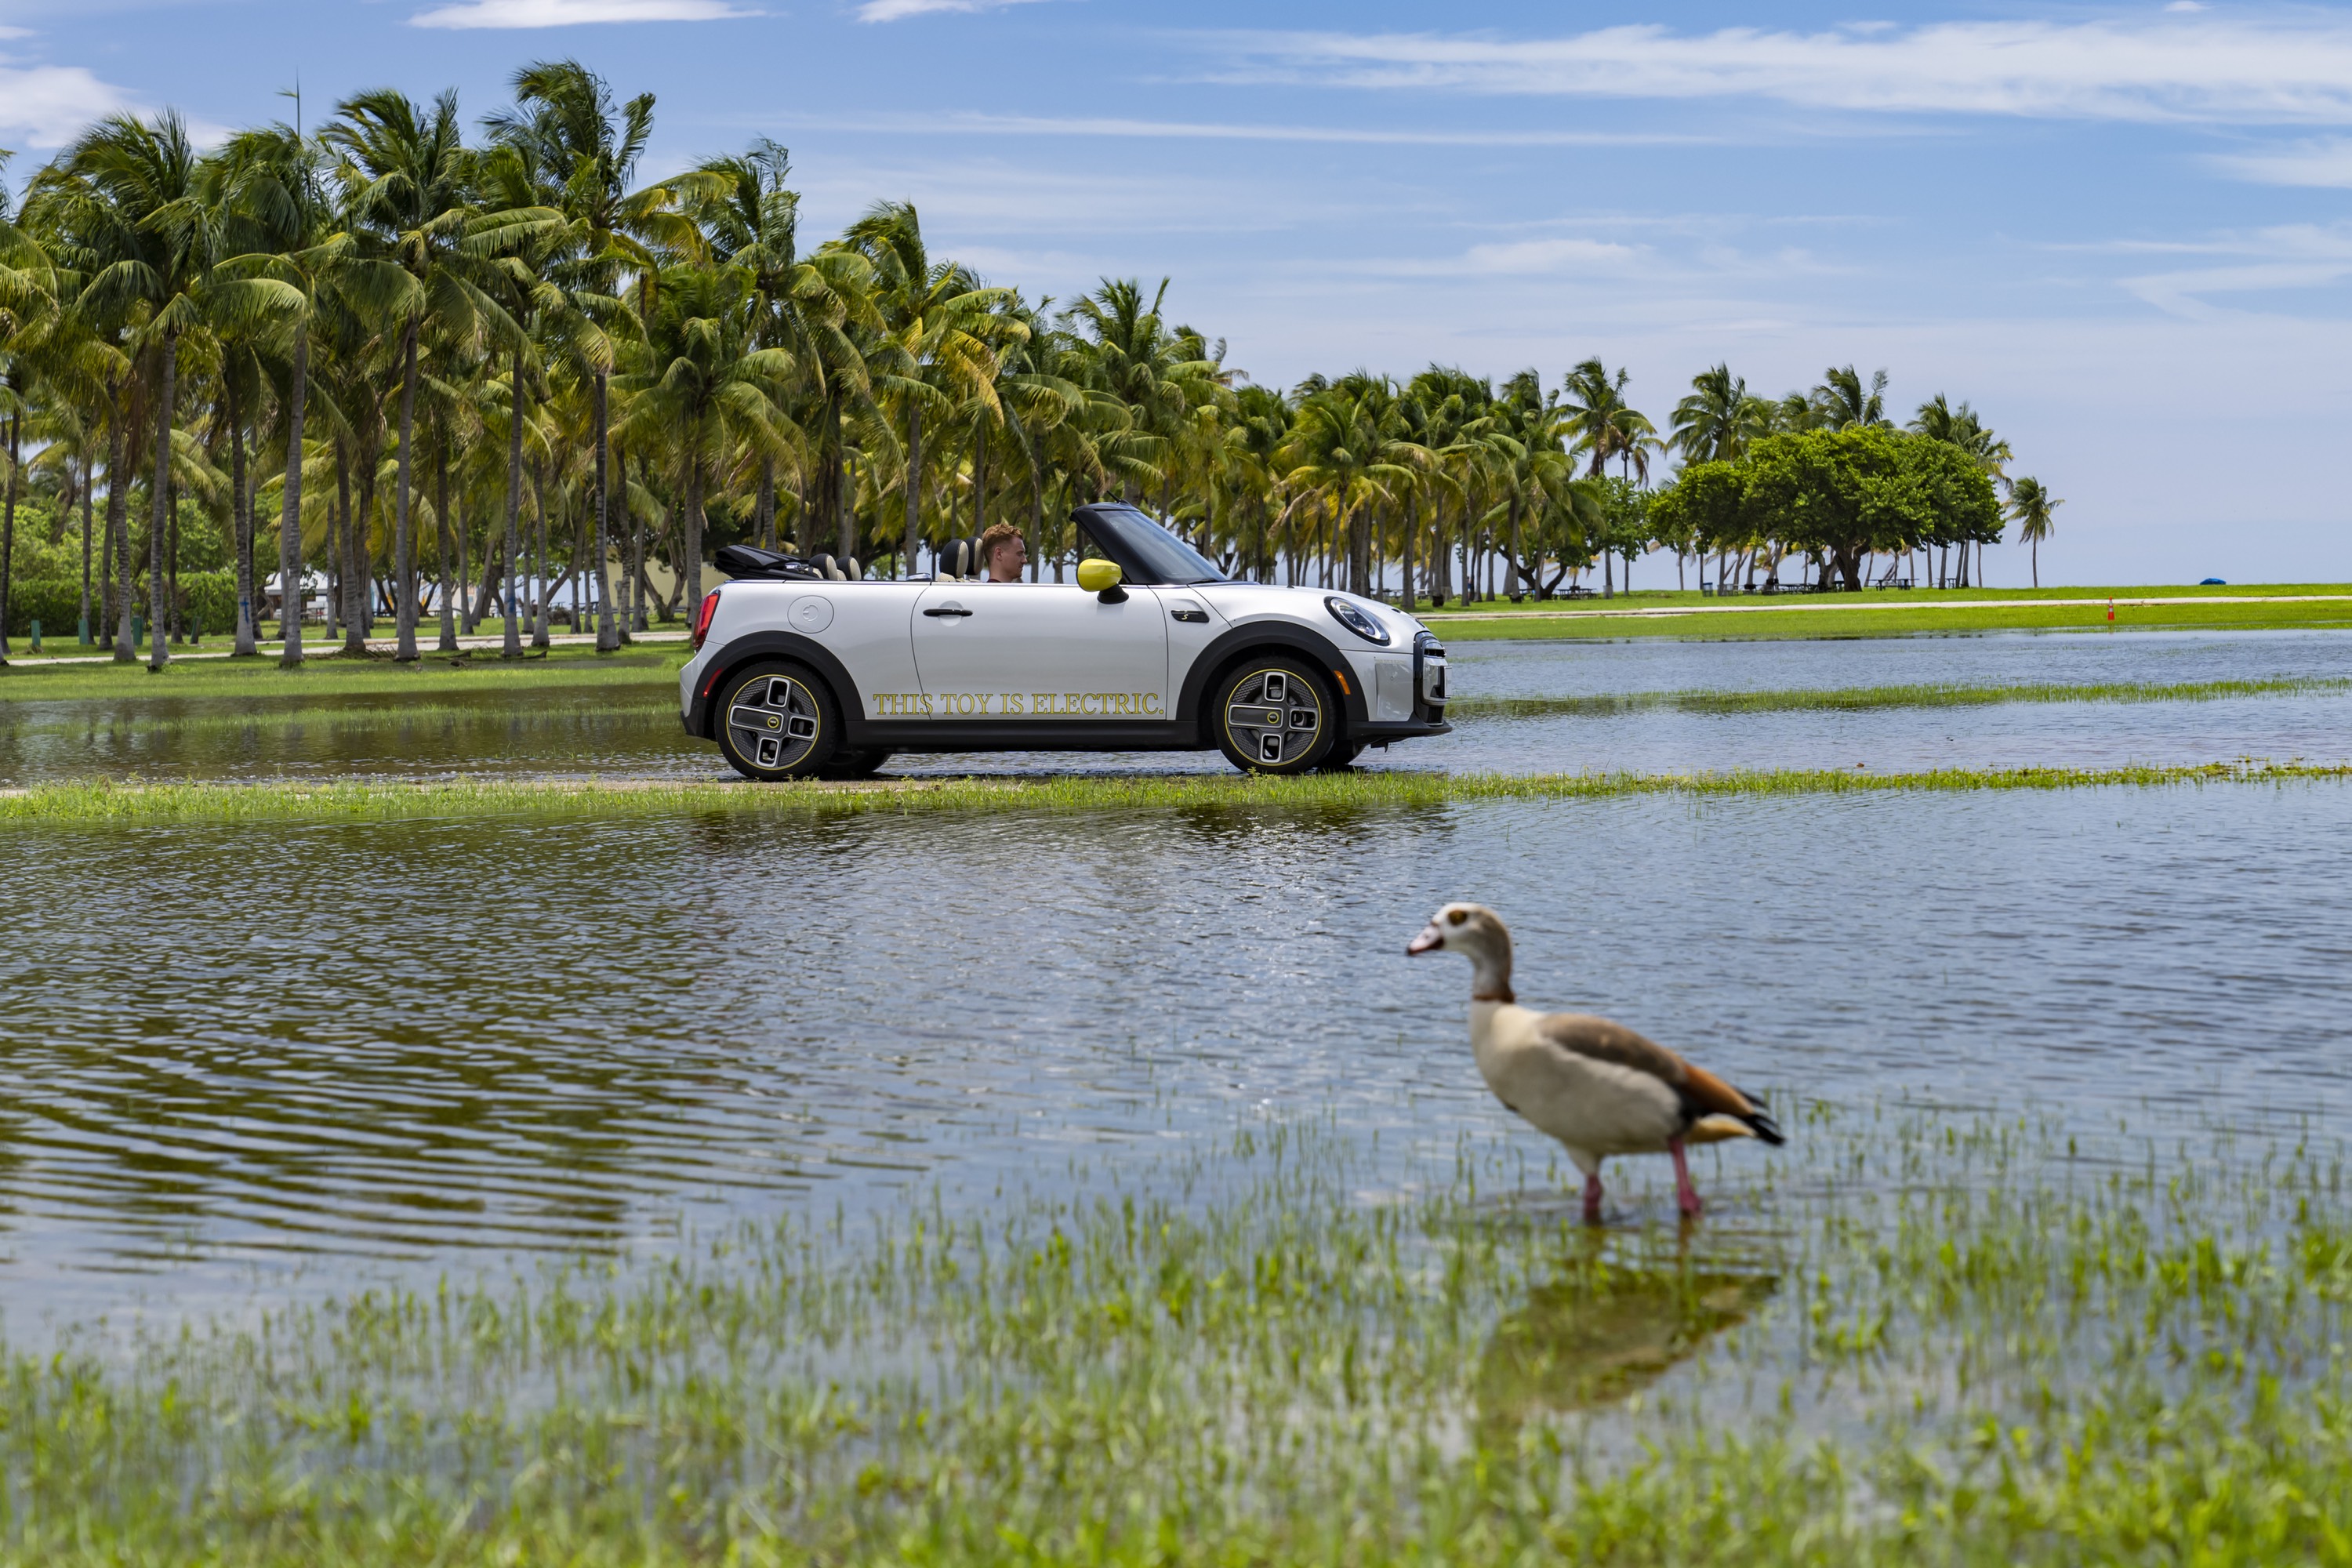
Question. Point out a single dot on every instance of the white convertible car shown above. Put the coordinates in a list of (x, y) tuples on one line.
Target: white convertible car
[(800, 671)]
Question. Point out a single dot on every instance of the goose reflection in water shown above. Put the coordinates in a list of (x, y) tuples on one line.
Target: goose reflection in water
[(1598, 1331)]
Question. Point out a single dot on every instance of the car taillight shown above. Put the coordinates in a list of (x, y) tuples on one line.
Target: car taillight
[(702, 617)]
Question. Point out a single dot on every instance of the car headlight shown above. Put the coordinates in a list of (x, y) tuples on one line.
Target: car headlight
[(1352, 616)]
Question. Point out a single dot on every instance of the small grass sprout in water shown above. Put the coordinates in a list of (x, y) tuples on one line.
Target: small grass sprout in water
[(1917, 1338), (105, 804)]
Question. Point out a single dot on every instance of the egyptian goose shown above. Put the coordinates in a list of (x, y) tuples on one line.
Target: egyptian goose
[(1597, 1086)]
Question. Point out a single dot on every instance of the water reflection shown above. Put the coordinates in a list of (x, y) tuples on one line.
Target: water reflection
[(1604, 1326), (633, 730), (412, 1042)]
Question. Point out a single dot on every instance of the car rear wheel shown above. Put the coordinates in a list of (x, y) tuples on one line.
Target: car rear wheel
[(777, 721), (1274, 715)]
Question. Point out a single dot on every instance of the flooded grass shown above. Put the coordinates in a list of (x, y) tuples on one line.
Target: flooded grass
[(1863, 698), (247, 680), (1910, 1336), (1883, 618), (92, 804)]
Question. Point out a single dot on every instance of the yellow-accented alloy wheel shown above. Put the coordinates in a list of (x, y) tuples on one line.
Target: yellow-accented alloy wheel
[(777, 721), (1274, 715)]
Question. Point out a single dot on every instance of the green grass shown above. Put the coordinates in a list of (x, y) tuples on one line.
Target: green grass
[(1857, 699), (93, 805), (655, 666), (1819, 625), (1905, 1338)]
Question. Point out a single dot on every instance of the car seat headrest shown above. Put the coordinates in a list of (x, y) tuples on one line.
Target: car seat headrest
[(837, 569), (958, 559)]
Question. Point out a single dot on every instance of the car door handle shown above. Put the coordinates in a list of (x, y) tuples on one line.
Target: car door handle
[(947, 610)]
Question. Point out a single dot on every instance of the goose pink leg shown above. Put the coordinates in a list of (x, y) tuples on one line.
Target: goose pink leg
[(1685, 1196), (1593, 1198)]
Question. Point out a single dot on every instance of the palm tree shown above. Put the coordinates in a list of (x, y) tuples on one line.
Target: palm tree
[(600, 234), (126, 195), (1840, 403), (1594, 410), (934, 348), (1718, 419), (406, 178), (702, 384), (2030, 506), (292, 252)]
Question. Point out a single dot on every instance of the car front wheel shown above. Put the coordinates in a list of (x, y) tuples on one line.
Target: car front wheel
[(1275, 715), (777, 721)]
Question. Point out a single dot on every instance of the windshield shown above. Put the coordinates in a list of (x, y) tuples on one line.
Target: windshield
[(1157, 556)]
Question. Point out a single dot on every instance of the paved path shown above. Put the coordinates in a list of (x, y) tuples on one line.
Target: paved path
[(1834, 602)]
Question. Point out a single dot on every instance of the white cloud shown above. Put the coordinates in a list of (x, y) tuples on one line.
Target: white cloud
[(2162, 67), (47, 106), (2322, 163), (470, 14), (900, 10), (1549, 255), (2292, 256), (1214, 131)]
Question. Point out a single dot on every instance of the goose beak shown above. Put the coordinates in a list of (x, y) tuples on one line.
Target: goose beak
[(1430, 941)]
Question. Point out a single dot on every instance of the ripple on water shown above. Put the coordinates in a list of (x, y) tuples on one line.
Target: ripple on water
[(410, 1042)]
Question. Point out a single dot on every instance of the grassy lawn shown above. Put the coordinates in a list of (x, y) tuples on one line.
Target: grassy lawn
[(1890, 612), (78, 806), (1910, 1336)]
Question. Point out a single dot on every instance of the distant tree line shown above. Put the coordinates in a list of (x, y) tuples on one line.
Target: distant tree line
[(505, 370)]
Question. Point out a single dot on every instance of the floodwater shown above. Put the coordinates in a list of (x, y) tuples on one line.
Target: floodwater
[(255, 1056), (625, 731)]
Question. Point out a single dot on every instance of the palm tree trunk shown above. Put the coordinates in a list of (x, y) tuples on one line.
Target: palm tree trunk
[(359, 570), (83, 637), (404, 604), (693, 545), (638, 587), (914, 484), (241, 510), (538, 507), (608, 635), (1411, 527), (1037, 519), (118, 516), (766, 508), (448, 643), (8, 528), (513, 644), (158, 656), (336, 575), (2037, 565), (289, 517)]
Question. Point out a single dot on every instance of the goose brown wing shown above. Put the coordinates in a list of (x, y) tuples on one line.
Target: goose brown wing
[(1701, 1092)]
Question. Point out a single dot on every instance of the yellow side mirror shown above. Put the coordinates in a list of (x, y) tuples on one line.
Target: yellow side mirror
[(1098, 576)]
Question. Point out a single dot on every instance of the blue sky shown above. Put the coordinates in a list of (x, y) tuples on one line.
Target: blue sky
[(2120, 232)]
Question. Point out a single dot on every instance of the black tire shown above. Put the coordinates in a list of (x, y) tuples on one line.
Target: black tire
[(1342, 758), (776, 720), (855, 764), (1273, 714)]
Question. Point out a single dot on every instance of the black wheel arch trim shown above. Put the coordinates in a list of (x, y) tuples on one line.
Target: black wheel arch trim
[(1239, 642), (753, 646)]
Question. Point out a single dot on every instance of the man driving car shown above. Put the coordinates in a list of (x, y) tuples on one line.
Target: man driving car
[(1003, 553)]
